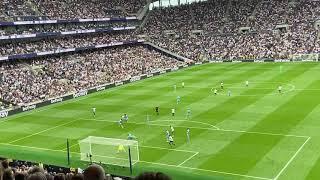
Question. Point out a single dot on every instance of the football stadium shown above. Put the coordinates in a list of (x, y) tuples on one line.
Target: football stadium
[(159, 90)]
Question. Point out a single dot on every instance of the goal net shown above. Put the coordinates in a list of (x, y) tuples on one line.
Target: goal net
[(109, 151)]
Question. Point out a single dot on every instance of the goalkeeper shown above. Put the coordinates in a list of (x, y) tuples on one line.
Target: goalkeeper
[(121, 148)]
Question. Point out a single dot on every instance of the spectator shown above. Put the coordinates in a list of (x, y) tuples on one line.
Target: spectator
[(77, 176), (20, 176), (37, 176), (8, 174), (94, 172), (152, 176)]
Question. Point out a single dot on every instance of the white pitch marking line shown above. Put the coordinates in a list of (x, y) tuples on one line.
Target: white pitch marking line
[(197, 122), (153, 124), (206, 170), (188, 158), (293, 87), (292, 158), (180, 150), (40, 109), (263, 133), (64, 149), (42, 131), (226, 130), (184, 167)]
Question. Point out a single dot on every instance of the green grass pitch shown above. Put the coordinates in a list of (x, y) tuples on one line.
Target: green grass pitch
[(256, 133)]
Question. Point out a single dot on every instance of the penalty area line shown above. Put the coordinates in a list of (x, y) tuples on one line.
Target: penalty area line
[(188, 158), (49, 129), (147, 162), (207, 170), (291, 159)]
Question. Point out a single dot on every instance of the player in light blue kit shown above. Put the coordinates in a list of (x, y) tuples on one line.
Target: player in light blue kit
[(174, 88), (131, 137), (188, 135), (178, 99), (188, 113), (229, 93)]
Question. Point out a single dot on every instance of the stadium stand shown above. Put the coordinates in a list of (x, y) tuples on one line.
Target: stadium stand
[(201, 31), (63, 27), (13, 8), (206, 15), (245, 46), (25, 82), (3, 105), (64, 9), (11, 47), (272, 29)]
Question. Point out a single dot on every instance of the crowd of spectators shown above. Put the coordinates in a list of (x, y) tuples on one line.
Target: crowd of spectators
[(66, 9), (238, 14), (299, 36), (3, 105), (219, 16), (269, 14), (278, 29), (12, 47), (22, 170), (207, 15), (11, 8), (32, 29), (25, 82), (281, 44)]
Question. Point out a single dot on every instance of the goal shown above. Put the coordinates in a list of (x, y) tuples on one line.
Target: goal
[(110, 151)]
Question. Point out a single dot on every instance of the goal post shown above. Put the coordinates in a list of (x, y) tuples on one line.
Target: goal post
[(110, 151)]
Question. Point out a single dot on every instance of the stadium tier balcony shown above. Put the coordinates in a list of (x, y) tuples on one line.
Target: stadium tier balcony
[(12, 47), (36, 80), (63, 27)]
